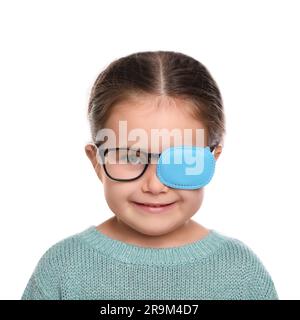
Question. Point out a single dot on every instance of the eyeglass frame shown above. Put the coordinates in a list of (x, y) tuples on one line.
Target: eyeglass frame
[(103, 153)]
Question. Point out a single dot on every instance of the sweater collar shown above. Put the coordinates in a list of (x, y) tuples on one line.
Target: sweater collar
[(134, 254)]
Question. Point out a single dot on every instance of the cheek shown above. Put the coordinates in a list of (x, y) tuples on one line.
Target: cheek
[(116, 193), (193, 198)]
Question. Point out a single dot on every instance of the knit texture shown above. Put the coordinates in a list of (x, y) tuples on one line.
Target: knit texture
[(89, 265)]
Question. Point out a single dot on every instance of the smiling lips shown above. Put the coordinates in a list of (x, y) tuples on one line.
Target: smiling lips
[(154, 205)]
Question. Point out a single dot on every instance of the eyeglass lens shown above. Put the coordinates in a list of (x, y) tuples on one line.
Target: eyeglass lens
[(125, 163)]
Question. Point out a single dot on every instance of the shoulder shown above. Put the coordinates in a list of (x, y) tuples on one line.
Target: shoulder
[(51, 270), (63, 251), (239, 259), (236, 249), (237, 253)]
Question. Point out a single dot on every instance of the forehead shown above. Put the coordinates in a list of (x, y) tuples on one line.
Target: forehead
[(164, 120)]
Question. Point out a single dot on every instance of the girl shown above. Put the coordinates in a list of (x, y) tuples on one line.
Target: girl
[(151, 248)]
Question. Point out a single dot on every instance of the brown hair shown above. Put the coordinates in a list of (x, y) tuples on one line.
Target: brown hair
[(169, 73)]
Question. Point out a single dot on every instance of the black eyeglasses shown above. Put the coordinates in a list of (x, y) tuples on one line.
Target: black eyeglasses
[(118, 163)]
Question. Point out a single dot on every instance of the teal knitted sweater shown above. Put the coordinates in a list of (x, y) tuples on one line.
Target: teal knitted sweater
[(91, 265)]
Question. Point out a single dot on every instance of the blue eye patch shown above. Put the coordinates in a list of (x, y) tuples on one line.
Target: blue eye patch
[(186, 167)]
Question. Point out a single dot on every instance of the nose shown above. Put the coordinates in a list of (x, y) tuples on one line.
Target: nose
[(151, 182)]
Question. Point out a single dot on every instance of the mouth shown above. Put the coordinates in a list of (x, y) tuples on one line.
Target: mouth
[(155, 207)]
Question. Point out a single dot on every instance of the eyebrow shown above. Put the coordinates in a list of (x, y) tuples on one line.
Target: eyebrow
[(136, 148), (99, 143)]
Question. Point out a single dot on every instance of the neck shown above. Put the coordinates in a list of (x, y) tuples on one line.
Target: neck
[(189, 232)]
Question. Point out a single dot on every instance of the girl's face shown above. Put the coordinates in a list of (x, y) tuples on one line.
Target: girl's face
[(148, 113)]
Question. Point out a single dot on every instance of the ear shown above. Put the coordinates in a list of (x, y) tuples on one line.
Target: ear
[(91, 152), (217, 152)]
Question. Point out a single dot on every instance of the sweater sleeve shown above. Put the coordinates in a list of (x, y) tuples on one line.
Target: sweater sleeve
[(261, 286), (33, 291), (44, 281)]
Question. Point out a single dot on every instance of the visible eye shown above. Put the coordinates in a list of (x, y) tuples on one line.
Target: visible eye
[(137, 156), (133, 159)]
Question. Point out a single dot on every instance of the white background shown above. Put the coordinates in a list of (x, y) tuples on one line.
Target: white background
[(51, 53)]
